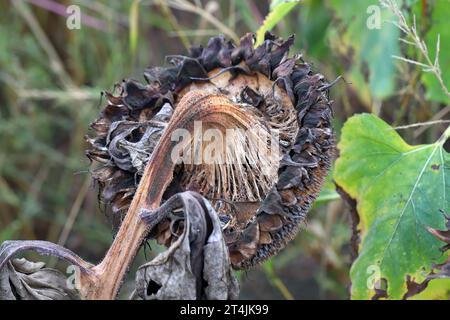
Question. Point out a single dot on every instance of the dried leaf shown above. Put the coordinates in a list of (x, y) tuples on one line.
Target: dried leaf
[(21, 279), (199, 256), (10, 248)]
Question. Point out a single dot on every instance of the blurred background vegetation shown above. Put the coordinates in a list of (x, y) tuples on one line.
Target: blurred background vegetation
[(50, 84)]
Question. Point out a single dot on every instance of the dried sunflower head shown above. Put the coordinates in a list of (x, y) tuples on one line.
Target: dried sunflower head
[(261, 196)]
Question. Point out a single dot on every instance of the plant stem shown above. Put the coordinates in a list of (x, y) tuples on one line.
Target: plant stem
[(194, 106), (276, 281), (445, 136)]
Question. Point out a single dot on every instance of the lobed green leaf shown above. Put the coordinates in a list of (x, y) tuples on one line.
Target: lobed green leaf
[(400, 190)]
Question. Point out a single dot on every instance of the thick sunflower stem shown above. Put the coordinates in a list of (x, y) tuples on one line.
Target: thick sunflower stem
[(216, 110)]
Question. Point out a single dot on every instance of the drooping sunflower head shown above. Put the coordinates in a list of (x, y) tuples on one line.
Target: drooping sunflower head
[(261, 171)]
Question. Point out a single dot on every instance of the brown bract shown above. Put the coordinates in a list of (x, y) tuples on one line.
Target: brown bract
[(263, 88)]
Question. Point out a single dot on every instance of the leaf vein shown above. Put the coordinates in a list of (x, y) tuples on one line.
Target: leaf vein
[(419, 177)]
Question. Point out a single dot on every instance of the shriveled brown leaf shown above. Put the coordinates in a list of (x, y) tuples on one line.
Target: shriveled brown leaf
[(199, 256), (21, 279)]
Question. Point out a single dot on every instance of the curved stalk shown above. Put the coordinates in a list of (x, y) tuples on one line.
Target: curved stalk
[(213, 109)]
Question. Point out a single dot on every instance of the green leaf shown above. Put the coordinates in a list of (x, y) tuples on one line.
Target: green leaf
[(439, 26), (437, 289), (372, 48), (312, 25), (400, 190), (278, 10), (275, 3)]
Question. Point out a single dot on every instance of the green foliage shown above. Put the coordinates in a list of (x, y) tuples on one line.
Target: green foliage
[(400, 190), (246, 14), (313, 25), (439, 27), (372, 47), (437, 289), (278, 10)]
